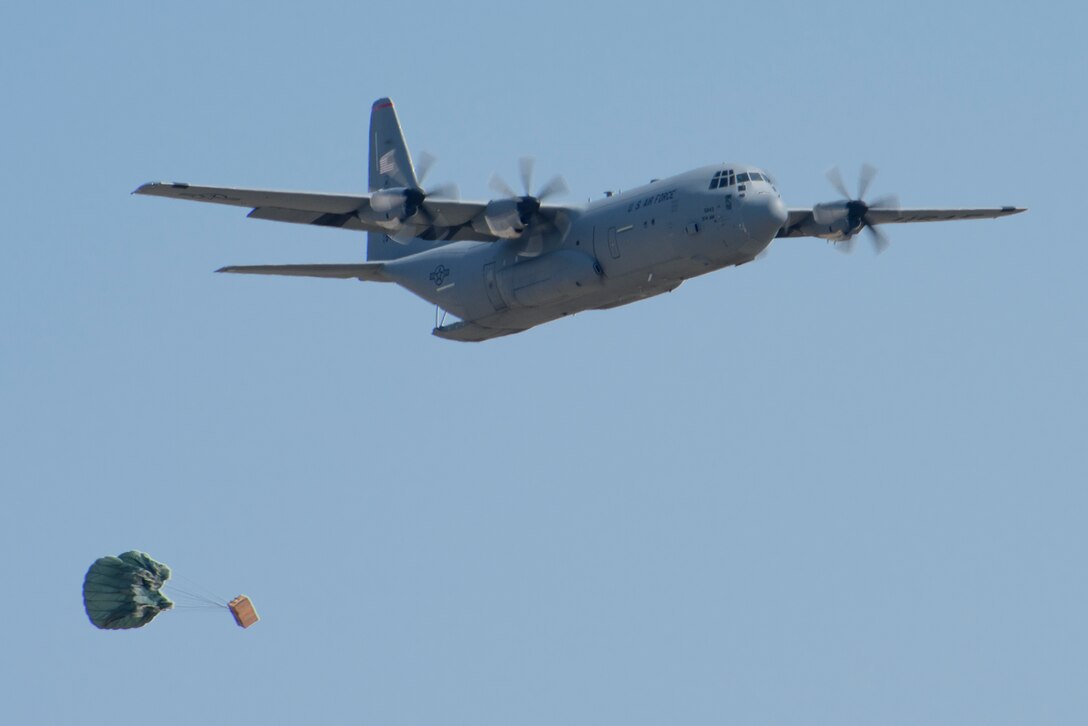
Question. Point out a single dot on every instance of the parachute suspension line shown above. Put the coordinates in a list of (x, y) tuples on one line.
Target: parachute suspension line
[(194, 595), (195, 590), (191, 600)]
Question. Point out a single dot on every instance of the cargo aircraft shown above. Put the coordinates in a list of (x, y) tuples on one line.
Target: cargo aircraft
[(505, 265)]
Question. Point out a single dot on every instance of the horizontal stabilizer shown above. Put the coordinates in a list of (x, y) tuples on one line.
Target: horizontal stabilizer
[(359, 271)]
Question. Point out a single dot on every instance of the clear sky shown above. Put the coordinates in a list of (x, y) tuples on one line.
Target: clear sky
[(818, 489)]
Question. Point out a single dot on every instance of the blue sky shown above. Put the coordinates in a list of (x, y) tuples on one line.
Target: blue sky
[(816, 489)]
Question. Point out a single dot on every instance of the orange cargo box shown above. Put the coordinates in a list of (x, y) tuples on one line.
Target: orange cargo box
[(242, 610)]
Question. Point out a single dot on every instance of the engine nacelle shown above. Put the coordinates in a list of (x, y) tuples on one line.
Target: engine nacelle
[(390, 208), (830, 212), (390, 221), (835, 221), (502, 218), (387, 200)]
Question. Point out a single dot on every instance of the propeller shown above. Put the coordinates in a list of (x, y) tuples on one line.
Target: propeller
[(855, 209), (415, 199), (511, 215), (528, 204), (448, 190)]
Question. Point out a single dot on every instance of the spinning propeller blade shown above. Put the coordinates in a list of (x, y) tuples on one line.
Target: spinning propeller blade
[(856, 209), (556, 186), (515, 213), (416, 200)]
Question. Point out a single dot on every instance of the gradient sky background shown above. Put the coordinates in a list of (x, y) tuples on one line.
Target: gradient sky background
[(818, 489)]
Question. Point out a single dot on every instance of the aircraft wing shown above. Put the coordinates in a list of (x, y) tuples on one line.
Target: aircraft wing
[(451, 219), (895, 216), (801, 223)]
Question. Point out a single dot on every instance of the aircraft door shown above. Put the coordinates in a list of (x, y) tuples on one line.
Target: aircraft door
[(613, 244), (600, 249), (613, 248), (492, 288), (731, 219), (617, 250)]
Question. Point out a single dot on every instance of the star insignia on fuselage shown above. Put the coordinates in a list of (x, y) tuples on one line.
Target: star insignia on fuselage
[(439, 275)]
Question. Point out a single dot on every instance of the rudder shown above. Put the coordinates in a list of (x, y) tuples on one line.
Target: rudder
[(390, 162), (390, 167)]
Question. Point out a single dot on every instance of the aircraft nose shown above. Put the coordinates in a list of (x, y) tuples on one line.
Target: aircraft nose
[(764, 215)]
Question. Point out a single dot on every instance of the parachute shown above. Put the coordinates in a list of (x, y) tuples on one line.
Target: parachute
[(124, 592)]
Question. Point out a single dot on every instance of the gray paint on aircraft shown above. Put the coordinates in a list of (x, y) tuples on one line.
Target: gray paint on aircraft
[(613, 251)]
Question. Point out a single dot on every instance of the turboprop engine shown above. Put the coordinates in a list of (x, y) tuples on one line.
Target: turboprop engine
[(509, 216), (843, 219), (389, 208)]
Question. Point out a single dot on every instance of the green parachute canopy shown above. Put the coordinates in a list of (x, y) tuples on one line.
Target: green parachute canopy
[(123, 592)]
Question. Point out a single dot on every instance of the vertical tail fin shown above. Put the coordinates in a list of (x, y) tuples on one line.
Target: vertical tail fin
[(390, 167), (390, 162)]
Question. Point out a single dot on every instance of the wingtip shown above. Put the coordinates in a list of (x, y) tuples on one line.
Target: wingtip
[(150, 187)]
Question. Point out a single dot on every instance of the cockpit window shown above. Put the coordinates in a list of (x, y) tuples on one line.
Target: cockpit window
[(725, 178)]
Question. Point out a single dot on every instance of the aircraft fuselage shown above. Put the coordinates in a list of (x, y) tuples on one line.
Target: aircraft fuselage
[(613, 251)]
